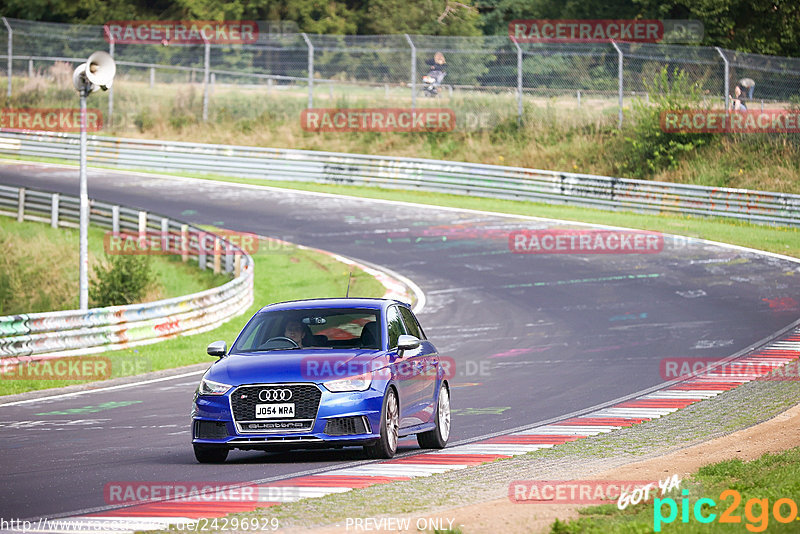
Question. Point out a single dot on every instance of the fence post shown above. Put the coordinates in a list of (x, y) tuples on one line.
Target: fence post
[(10, 52), (217, 252), (21, 205), (519, 81), (310, 70), (184, 243), (142, 228), (228, 256), (115, 219), (206, 67), (201, 250), (619, 81), (727, 77), (54, 210), (165, 240), (30, 68), (413, 71), (152, 76)]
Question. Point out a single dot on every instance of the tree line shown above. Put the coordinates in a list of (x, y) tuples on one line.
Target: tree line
[(757, 26)]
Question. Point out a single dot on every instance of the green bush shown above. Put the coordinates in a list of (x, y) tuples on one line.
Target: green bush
[(121, 280), (646, 148)]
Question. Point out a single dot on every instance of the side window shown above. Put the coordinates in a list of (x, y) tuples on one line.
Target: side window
[(394, 324), (412, 326)]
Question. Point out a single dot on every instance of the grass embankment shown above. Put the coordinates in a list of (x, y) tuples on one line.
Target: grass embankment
[(282, 272), (746, 491), (39, 269), (557, 134)]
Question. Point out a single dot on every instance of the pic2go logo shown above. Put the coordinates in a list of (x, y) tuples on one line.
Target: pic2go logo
[(756, 511)]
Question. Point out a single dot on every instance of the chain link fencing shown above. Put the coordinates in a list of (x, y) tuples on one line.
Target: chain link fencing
[(488, 79)]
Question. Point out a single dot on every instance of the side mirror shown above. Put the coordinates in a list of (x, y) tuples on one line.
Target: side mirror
[(217, 349), (406, 342)]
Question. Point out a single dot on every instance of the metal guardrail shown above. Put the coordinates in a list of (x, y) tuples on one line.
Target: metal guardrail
[(472, 179), (66, 333)]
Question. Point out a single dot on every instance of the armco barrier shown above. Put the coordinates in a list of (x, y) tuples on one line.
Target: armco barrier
[(65, 333), (411, 173)]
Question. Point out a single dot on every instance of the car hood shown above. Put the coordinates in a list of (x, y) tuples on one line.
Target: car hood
[(314, 365)]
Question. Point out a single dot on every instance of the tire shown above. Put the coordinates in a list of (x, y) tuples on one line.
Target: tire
[(437, 438), (386, 446), (209, 454)]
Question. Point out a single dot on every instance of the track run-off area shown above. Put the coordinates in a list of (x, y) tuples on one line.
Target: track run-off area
[(537, 339)]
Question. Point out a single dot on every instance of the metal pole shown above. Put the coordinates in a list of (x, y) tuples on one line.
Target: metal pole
[(54, 210), (413, 71), (620, 81), (727, 77), (84, 216), (110, 120), (310, 70), (152, 76), (206, 68), (10, 52), (519, 82)]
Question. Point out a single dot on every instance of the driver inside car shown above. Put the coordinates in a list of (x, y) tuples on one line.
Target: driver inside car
[(299, 333)]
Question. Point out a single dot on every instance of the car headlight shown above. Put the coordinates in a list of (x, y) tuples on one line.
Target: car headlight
[(351, 383), (209, 387)]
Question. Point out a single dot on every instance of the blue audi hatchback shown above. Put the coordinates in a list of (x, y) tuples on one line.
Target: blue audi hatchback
[(323, 373)]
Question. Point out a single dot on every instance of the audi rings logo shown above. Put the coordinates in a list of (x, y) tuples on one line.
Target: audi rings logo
[(274, 395)]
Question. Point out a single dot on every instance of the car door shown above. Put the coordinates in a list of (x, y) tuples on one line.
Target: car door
[(407, 369), (429, 360)]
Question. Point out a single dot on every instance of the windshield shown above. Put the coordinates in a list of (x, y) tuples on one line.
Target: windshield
[(333, 328)]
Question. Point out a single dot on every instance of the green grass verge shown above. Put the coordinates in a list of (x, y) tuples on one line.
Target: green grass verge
[(554, 134), (757, 485), (38, 270), (281, 273)]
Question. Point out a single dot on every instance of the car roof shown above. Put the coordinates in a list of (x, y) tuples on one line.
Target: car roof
[(324, 303)]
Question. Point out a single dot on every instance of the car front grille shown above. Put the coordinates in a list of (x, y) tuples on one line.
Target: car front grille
[(305, 398)]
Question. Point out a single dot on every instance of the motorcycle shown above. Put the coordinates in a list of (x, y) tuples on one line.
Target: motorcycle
[(432, 83)]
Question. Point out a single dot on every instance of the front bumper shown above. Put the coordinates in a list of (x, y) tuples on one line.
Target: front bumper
[(346, 418)]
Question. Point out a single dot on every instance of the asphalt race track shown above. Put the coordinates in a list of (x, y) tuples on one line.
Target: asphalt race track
[(534, 336)]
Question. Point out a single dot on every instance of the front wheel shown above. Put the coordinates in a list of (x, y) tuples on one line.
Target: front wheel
[(210, 454), (386, 446), (437, 438)]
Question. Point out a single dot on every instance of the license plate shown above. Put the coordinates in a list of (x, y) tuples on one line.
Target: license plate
[(265, 411)]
